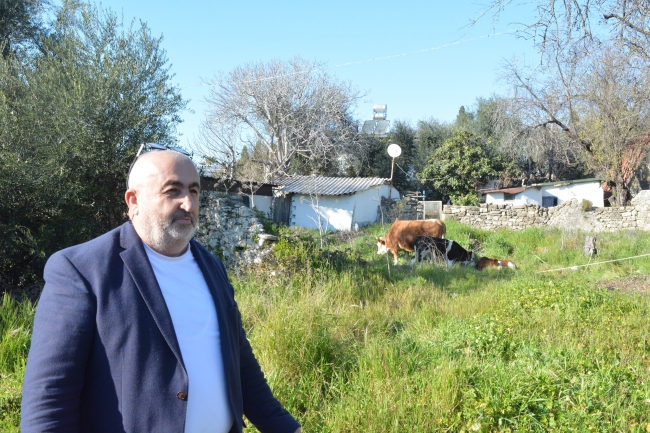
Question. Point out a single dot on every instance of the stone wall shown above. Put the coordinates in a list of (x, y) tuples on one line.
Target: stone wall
[(406, 208), (568, 215), (496, 216), (230, 229)]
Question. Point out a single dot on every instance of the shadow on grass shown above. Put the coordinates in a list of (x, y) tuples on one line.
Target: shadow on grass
[(460, 279)]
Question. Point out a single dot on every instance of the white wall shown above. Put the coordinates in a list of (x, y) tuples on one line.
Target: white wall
[(529, 196), (340, 212), (494, 197), (367, 204), (591, 191), (335, 211), (263, 204)]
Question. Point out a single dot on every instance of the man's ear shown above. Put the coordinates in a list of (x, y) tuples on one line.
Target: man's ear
[(131, 199)]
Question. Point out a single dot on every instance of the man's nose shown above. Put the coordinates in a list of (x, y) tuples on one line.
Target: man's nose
[(187, 202)]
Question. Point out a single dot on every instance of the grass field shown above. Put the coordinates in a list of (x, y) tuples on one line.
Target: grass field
[(351, 343)]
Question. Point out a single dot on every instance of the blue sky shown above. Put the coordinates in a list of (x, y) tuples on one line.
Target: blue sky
[(418, 57)]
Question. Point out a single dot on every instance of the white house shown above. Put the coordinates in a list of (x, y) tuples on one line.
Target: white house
[(550, 193), (333, 203)]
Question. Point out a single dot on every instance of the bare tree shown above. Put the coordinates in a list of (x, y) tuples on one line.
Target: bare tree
[(531, 123), (599, 103), (221, 144), (577, 24), (292, 108)]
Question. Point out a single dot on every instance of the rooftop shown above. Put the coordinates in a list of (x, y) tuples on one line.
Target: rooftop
[(326, 185)]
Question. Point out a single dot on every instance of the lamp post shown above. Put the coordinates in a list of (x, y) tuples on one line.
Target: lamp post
[(393, 151)]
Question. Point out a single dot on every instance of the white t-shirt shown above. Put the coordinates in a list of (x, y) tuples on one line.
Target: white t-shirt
[(194, 316)]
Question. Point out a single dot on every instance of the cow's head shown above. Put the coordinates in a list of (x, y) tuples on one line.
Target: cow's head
[(381, 246), (471, 261)]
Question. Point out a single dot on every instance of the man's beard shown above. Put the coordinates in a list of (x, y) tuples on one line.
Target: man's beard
[(165, 232)]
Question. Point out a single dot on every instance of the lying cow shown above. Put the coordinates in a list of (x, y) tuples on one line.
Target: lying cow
[(402, 235), (486, 262), (437, 249)]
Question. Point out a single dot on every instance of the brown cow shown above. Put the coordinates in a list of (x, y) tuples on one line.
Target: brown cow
[(402, 235), (486, 262)]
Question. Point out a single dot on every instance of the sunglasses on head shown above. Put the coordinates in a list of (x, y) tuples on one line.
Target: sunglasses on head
[(153, 146)]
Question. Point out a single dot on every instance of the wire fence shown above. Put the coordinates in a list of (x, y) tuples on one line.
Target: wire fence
[(575, 268)]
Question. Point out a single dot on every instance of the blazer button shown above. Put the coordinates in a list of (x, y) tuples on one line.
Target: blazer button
[(181, 396)]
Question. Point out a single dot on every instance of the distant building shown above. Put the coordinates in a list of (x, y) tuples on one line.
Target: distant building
[(549, 194), (334, 203)]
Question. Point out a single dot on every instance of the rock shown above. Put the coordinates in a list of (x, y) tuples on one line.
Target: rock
[(265, 238)]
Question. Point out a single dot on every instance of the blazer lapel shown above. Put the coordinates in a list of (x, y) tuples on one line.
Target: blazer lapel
[(137, 263)]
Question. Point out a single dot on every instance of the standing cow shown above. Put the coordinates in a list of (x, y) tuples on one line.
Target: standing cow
[(402, 235), (436, 249)]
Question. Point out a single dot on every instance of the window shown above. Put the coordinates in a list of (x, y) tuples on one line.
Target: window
[(549, 201), (507, 196)]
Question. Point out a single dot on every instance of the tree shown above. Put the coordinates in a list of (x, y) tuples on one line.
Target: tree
[(20, 24), (72, 116), (369, 157), (589, 109), (294, 109), (251, 165), (576, 25), (460, 166), (599, 119), (464, 119)]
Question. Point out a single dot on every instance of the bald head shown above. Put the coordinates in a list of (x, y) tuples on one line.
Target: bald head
[(151, 163), (163, 200)]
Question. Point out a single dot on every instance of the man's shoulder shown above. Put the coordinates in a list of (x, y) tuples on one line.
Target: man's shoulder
[(101, 245)]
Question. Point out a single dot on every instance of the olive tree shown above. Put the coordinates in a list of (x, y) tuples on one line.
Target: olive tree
[(460, 165), (73, 115)]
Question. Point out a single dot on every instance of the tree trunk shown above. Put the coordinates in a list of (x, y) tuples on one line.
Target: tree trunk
[(621, 193)]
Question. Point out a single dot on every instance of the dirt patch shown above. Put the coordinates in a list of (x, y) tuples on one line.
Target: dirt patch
[(629, 285)]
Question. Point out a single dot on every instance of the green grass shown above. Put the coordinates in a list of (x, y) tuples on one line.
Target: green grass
[(351, 343), (15, 332)]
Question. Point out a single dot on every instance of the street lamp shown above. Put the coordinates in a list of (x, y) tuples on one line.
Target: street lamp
[(393, 151)]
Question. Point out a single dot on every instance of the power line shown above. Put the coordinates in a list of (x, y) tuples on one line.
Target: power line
[(575, 268), (375, 59), (425, 49), (413, 177)]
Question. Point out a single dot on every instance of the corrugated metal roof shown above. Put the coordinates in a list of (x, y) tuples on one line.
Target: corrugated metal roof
[(327, 185)]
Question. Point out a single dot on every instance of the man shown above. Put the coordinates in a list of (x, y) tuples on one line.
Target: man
[(138, 330)]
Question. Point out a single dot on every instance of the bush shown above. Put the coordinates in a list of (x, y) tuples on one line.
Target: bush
[(469, 199), (587, 205)]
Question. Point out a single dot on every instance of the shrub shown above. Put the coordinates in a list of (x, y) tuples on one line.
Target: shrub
[(469, 199), (587, 205)]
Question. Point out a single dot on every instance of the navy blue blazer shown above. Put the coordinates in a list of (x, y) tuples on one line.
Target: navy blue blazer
[(104, 355)]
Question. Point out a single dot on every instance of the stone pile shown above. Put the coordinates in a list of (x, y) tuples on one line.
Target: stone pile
[(231, 230)]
